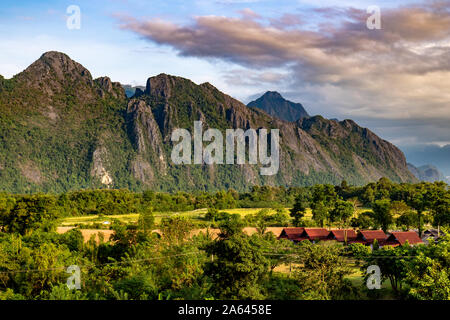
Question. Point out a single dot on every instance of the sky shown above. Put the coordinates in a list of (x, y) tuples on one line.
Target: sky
[(394, 80)]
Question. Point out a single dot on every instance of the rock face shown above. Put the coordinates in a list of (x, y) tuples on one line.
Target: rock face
[(98, 170), (275, 105), (62, 130), (428, 173)]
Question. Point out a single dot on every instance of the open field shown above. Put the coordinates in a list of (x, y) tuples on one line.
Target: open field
[(198, 214)]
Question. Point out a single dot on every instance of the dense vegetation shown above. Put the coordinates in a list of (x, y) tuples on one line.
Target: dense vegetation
[(140, 264), (61, 130)]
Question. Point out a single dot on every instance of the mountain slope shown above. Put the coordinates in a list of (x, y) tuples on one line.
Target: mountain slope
[(62, 130), (59, 128), (275, 105), (428, 173)]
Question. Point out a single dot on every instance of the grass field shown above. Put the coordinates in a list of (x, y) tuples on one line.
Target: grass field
[(198, 214)]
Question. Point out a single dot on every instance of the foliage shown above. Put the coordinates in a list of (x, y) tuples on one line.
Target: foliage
[(323, 271)]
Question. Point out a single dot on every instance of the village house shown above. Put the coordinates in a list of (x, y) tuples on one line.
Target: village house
[(432, 234), (314, 234), (292, 234), (400, 238), (367, 237), (339, 235)]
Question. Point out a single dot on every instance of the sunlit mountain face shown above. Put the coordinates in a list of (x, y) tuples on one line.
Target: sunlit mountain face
[(384, 66)]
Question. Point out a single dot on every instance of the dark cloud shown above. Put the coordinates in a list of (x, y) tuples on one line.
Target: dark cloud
[(398, 73)]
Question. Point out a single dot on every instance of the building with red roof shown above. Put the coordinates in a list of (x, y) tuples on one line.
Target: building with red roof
[(367, 237), (400, 238), (293, 234), (339, 235), (314, 234)]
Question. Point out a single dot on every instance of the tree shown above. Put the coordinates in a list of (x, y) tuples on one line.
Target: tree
[(428, 274), (261, 221), (441, 211), (239, 267), (392, 266), (382, 213), (323, 271), (417, 199), (175, 230), (320, 213), (30, 213), (299, 209), (212, 214), (363, 221), (341, 213), (399, 208), (406, 220), (146, 221)]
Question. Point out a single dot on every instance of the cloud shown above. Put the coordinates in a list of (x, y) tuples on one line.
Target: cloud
[(400, 72)]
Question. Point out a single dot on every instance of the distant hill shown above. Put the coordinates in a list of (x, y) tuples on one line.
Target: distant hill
[(130, 90), (275, 105), (428, 173), (61, 130), (434, 154)]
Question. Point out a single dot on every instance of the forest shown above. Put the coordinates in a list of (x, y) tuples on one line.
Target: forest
[(138, 263)]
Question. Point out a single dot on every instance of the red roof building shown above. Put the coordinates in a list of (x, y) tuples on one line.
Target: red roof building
[(339, 235), (400, 238), (292, 234), (367, 237), (315, 234)]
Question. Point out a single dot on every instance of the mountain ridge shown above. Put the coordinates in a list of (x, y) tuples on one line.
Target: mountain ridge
[(63, 130), (275, 105)]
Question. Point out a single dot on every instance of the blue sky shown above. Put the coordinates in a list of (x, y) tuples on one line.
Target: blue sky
[(30, 28), (394, 81)]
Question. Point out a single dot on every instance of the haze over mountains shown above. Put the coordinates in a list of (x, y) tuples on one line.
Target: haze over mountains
[(430, 154), (63, 130), (427, 173)]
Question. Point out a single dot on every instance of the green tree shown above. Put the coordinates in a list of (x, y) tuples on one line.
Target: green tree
[(30, 213), (392, 262), (341, 213), (322, 272), (382, 213), (428, 275), (299, 209), (239, 267), (320, 213), (175, 230), (146, 221)]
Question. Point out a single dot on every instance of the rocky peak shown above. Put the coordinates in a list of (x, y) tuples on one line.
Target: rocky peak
[(107, 86), (272, 95), (53, 69), (105, 83), (160, 86), (60, 64), (275, 105)]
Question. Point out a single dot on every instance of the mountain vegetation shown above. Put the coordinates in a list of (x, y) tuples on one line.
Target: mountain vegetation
[(62, 130)]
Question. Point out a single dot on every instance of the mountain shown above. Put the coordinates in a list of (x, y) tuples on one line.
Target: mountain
[(63, 130), (428, 173), (275, 105), (436, 155), (130, 90)]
